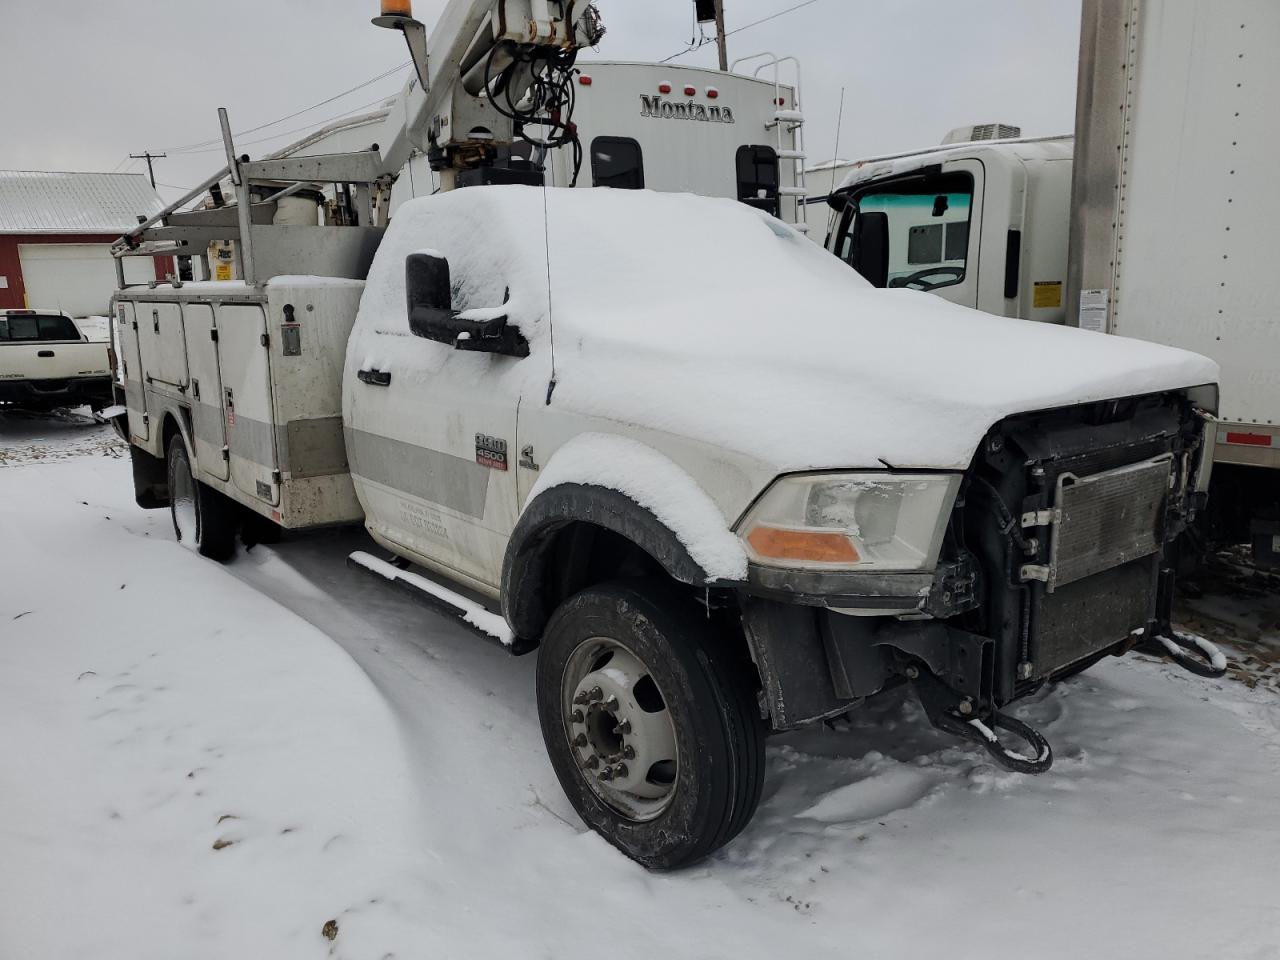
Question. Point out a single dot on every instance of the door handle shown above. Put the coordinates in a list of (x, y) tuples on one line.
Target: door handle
[(44, 353), (375, 378)]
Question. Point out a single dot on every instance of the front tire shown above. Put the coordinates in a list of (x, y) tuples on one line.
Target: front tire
[(202, 517), (650, 722)]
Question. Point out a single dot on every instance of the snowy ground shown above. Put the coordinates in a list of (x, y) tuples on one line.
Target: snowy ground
[(285, 758)]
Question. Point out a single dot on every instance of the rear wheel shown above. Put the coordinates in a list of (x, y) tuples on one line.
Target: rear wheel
[(650, 723), (202, 517)]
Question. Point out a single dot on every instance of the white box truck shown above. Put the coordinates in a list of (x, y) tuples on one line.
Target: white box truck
[(717, 481), (1156, 220)]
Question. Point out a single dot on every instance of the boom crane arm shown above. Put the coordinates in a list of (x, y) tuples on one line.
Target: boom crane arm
[(489, 68)]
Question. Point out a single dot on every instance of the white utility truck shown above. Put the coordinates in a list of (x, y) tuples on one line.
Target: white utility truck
[(47, 361), (721, 484), (1156, 221)]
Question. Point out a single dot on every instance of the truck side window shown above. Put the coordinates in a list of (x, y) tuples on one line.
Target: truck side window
[(58, 328), (617, 162), (757, 168), (929, 221), (32, 327)]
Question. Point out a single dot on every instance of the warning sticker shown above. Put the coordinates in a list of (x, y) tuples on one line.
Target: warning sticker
[(1093, 310), (222, 271), (1047, 294)]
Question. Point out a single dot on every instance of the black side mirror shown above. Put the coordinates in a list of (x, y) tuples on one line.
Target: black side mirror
[(429, 299), (940, 205), (870, 255)]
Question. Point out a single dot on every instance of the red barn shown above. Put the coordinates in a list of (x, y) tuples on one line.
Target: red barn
[(56, 231)]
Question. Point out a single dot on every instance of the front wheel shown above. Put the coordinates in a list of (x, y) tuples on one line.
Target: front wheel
[(650, 722), (202, 517)]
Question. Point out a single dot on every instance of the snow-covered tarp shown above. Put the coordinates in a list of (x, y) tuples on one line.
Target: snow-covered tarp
[(707, 320)]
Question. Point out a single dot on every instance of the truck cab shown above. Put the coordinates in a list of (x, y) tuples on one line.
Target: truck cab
[(978, 224)]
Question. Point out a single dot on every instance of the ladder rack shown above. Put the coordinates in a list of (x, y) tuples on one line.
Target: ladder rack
[(265, 249), (786, 123)]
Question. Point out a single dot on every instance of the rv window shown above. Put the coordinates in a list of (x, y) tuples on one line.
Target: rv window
[(757, 168), (617, 162), (928, 229)]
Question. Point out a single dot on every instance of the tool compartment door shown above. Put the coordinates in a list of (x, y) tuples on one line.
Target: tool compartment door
[(207, 412), (244, 364), (135, 397), (163, 344)]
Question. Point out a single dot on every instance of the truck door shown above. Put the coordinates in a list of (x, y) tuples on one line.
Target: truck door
[(208, 419), (244, 365), (919, 231), (432, 442), (131, 358)]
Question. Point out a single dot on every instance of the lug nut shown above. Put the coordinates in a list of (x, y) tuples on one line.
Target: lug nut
[(629, 752), (580, 740), (576, 716), (592, 762), (595, 694), (620, 770), (623, 728), (582, 698), (611, 703), (605, 775)]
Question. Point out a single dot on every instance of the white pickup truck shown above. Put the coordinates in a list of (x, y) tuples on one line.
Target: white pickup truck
[(718, 481), (47, 361)]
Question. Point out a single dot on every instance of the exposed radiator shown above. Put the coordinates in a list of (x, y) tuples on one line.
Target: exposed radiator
[(1107, 519)]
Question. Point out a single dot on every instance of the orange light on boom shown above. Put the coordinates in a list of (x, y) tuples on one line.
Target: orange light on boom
[(397, 8)]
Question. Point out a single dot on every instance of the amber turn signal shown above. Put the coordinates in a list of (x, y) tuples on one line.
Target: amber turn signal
[(806, 545)]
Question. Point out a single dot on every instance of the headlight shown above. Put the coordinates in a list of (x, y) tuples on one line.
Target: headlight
[(863, 521)]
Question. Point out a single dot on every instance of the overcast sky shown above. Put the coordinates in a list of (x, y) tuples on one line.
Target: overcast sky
[(86, 82)]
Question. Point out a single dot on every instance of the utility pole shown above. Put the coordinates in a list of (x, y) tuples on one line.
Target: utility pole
[(149, 156), (721, 43)]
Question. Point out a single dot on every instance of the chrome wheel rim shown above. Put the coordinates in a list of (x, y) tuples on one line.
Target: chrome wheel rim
[(619, 729)]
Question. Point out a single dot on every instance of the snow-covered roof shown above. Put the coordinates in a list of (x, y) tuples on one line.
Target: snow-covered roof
[(37, 201), (871, 168)]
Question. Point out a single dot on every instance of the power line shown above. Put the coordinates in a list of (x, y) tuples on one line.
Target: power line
[(703, 41), (195, 147)]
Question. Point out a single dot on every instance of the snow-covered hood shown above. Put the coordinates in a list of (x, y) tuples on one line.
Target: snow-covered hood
[(707, 320), (892, 376)]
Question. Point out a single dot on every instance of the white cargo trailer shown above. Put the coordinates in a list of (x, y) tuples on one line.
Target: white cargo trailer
[(1157, 221)]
